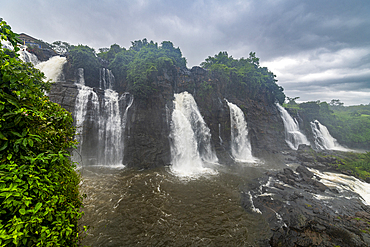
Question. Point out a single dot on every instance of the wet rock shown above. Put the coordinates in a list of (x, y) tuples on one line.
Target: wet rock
[(304, 172), (300, 215)]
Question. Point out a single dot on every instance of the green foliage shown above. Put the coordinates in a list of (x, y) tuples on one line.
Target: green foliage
[(358, 163), (245, 77), (39, 197), (84, 57), (139, 65), (110, 54)]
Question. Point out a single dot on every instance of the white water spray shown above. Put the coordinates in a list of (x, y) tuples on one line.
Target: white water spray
[(293, 136), (240, 144), (52, 68), (191, 137), (323, 139)]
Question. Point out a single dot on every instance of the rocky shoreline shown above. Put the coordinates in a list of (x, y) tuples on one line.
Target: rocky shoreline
[(302, 210)]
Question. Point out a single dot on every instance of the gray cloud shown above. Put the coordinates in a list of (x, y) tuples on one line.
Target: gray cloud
[(322, 46)]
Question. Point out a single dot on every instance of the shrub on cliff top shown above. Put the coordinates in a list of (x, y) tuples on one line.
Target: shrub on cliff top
[(39, 197)]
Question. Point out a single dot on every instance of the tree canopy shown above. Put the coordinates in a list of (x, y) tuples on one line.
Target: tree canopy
[(245, 76)]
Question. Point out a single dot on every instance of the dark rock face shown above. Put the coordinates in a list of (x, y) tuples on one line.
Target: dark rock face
[(147, 133), (302, 211)]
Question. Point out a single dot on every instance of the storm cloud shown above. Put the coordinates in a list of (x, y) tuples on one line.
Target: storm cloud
[(319, 50)]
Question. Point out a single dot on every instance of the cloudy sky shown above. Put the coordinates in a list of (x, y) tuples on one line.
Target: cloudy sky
[(319, 50)]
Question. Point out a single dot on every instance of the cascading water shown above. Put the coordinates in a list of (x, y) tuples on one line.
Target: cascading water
[(52, 68), (344, 183), (85, 94), (240, 145), (27, 57), (110, 130), (323, 139), (293, 136), (105, 143), (191, 137), (106, 79)]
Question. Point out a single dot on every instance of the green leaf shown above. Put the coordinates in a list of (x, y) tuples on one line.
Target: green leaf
[(4, 146), (30, 142), (37, 207), (25, 142), (15, 133), (22, 211), (2, 136)]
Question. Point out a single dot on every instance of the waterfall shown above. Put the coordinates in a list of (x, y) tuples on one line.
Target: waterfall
[(111, 128), (28, 57), (323, 139), (219, 134), (106, 80), (85, 94), (240, 145), (102, 143), (293, 136), (52, 68), (190, 146)]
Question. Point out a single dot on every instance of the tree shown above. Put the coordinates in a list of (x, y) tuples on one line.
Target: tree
[(253, 59), (39, 197), (109, 54), (291, 101), (336, 103)]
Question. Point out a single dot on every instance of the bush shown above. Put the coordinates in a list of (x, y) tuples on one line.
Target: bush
[(39, 197)]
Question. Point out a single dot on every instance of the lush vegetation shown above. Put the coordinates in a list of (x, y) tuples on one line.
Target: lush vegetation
[(350, 125), (358, 164), (134, 67), (39, 197), (245, 77)]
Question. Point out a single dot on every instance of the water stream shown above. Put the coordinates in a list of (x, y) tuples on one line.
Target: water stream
[(190, 148), (240, 145), (102, 143), (293, 136), (323, 139)]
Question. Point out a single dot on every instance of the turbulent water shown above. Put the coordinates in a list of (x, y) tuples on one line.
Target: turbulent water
[(52, 68), (240, 145), (293, 136), (156, 208), (345, 184), (323, 139)]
